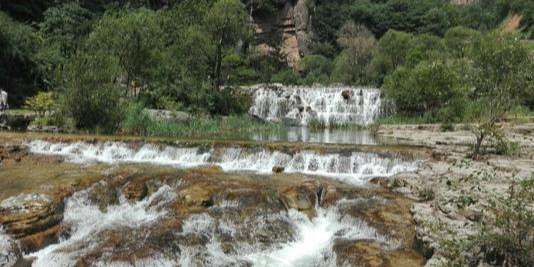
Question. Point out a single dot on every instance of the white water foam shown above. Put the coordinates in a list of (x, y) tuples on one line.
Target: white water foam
[(88, 221), (306, 243), (8, 249), (310, 246), (315, 239), (354, 168), (325, 104)]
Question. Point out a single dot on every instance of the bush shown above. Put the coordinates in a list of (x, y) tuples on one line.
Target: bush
[(41, 103), (511, 240), (287, 77), (136, 120)]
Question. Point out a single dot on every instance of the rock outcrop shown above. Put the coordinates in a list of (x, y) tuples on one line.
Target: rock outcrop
[(288, 26)]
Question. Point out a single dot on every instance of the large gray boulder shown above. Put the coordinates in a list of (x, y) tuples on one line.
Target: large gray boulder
[(161, 114)]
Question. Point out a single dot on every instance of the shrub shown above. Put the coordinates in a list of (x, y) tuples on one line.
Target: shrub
[(136, 119), (287, 77), (41, 103), (511, 241)]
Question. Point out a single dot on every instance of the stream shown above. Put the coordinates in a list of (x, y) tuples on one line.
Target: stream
[(298, 199)]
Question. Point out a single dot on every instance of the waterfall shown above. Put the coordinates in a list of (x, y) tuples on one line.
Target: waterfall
[(299, 241), (355, 167), (88, 222), (328, 105)]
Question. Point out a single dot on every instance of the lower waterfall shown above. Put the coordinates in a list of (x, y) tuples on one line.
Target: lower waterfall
[(355, 167), (304, 242)]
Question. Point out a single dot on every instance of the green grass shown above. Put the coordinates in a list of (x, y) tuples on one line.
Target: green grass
[(201, 127)]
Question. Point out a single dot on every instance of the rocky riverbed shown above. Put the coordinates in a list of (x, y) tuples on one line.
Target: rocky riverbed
[(454, 193), (116, 206), (59, 211)]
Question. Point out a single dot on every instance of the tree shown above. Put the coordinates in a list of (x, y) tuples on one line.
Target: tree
[(92, 98), (459, 40), (65, 27), (227, 22), (20, 64), (315, 69), (391, 52), (427, 88), (502, 69), (353, 65), (425, 47), (134, 37)]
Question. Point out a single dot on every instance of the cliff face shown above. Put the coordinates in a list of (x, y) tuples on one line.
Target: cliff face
[(288, 27)]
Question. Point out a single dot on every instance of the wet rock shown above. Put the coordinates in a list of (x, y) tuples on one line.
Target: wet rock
[(278, 169), (329, 195), (347, 94), (134, 190), (197, 195), (296, 200), (44, 129), (301, 109), (372, 254)]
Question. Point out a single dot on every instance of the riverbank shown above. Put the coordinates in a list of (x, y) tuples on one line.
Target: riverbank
[(456, 196)]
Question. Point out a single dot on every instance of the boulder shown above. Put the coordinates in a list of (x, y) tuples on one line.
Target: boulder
[(278, 169), (347, 94), (177, 116)]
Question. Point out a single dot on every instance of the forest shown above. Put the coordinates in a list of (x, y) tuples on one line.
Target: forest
[(95, 61), (267, 133)]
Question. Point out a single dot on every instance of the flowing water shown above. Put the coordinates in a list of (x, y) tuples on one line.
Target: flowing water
[(320, 136), (354, 167), (328, 105), (307, 242), (239, 214)]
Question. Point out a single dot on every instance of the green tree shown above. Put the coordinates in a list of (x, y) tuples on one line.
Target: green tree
[(92, 99), (501, 72), (20, 64), (353, 65), (427, 88), (425, 47), (315, 69), (460, 39), (391, 52), (227, 22), (65, 27), (134, 37), (41, 103)]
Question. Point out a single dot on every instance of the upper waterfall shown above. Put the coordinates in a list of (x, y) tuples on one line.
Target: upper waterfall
[(329, 105)]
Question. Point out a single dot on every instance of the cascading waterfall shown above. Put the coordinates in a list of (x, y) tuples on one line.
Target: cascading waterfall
[(355, 167), (88, 222), (305, 242), (328, 105)]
